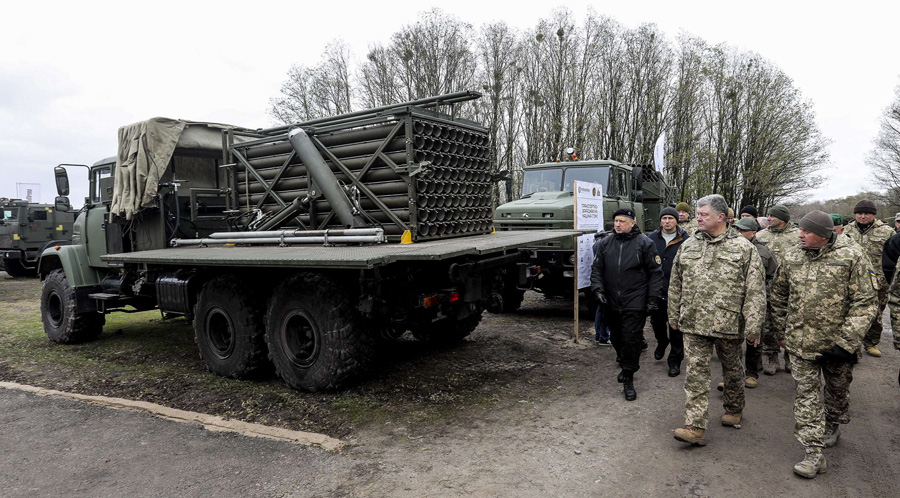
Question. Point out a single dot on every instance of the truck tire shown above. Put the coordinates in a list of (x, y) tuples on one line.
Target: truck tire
[(229, 328), (317, 339), (450, 331), (16, 269), (62, 321), (508, 300)]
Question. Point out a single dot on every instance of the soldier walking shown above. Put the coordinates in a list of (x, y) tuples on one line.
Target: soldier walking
[(668, 239), (627, 281), (748, 227), (823, 300), (872, 234), (778, 237), (716, 294)]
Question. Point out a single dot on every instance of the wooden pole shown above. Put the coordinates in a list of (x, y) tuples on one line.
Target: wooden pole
[(575, 289)]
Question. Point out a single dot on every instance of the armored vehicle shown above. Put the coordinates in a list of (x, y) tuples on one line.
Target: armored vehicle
[(547, 203), (303, 245), (26, 229)]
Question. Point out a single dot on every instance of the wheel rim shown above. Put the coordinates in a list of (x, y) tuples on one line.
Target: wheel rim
[(299, 339), (54, 309), (219, 333)]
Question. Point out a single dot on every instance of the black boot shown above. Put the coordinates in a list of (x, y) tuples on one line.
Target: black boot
[(674, 370), (659, 352), (628, 387), (621, 376)]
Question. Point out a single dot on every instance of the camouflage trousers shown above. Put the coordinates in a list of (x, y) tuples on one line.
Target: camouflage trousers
[(769, 340), (697, 377), (811, 412), (894, 307), (873, 335)]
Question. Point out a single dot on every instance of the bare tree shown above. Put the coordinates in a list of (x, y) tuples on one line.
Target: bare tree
[(885, 156), (314, 92)]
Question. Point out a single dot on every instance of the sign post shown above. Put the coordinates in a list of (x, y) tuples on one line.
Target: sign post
[(588, 216)]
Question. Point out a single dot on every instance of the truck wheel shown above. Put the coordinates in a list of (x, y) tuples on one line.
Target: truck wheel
[(228, 328), (450, 331), (317, 339), (16, 269), (62, 321), (508, 300)]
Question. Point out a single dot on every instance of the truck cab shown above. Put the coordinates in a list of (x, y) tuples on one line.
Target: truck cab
[(547, 202), (26, 229)]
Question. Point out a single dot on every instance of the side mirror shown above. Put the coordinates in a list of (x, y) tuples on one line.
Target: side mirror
[(637, 178), (62, 181), (62, 204)]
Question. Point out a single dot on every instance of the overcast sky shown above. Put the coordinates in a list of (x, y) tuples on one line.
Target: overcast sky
[(71, 73)]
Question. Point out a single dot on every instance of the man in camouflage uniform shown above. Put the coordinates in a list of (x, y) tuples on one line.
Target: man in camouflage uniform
[(716, 292), (894, 307), (685, 222), (871, 234), (748, 227), (823, 300), (778, 237)]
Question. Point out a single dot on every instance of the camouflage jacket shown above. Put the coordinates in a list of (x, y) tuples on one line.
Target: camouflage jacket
[(717, 288), (778, 240), (872, 240), (823, 298), (689, 226)]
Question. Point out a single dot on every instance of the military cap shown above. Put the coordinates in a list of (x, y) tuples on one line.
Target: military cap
[(839, 220), (624, 212), (747, 224)]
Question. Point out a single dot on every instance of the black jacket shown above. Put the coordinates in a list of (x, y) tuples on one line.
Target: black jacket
[(667, 252), (627, 270), (889, 256)]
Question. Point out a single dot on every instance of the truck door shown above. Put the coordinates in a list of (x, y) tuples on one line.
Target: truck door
[(95, 224)]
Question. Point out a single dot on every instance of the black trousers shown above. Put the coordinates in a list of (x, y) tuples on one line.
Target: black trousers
[(753, 360), (666, 335), (626, 332)]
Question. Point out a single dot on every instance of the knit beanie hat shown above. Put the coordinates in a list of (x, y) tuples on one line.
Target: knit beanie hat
[(818, 223), (781, 212), (751, 210), (865, 206), (670, 212), (683, 206)]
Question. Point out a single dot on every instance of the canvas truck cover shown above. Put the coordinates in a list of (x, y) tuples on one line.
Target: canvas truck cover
[(145, 150)]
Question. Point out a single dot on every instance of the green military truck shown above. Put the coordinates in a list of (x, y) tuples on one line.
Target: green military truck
[(302, 246), (26, 229), (547, 203)]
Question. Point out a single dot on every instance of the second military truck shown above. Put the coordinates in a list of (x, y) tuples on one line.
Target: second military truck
[(547, 203), (26, 229)]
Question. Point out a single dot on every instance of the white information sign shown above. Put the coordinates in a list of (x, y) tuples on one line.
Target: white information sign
[(588, 206), (585, 259)]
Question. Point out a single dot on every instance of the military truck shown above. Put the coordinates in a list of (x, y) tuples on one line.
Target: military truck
[(303, 246), (26, 229), (547, 203)]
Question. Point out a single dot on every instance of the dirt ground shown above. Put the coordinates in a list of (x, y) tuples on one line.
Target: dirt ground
[(517, 410)]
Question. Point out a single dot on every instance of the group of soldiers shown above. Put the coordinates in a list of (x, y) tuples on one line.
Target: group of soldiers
[(815, 290)]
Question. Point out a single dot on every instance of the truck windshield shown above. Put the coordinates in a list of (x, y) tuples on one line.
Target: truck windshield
[(551, 180), (8, 214)]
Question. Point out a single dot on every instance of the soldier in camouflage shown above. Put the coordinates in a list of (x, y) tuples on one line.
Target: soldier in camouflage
[(872, 234), (894, 307), (748, 227), (685, 222), (716, 292), (823, 300), (778, 237)]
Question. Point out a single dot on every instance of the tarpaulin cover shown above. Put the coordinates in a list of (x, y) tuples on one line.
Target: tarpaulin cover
[(145, 150)]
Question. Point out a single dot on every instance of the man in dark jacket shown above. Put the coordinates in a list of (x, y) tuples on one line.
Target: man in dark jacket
[(627, 280), (667, 239)]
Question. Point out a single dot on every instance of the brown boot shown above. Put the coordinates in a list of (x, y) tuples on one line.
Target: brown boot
[(751, 382), (731, 419), (692, 435)]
